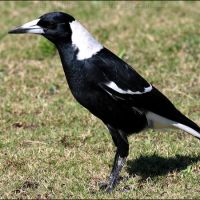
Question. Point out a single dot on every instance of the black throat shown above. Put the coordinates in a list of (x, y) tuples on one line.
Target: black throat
[(68, 56), (72, 67)]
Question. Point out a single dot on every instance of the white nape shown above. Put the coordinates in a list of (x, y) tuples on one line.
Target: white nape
[(114, 86), (157, 121), (86, 44)]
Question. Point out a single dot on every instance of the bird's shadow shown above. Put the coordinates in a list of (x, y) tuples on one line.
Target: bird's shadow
[(155, 165)]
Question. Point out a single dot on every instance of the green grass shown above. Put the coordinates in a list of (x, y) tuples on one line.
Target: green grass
[(51, 147)]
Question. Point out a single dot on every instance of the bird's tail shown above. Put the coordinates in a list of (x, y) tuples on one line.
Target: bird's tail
[(169, 117), (188, 129), (180, 121), (188, 125)]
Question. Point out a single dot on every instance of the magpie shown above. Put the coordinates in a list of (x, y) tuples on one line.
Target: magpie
[(107, 86)]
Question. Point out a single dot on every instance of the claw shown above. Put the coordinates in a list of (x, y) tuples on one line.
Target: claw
[(103, 185), (110, 185), (109, 189)]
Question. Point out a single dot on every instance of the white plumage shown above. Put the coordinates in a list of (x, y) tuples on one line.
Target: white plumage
[(157, 121), (86, 44), (114, 86)]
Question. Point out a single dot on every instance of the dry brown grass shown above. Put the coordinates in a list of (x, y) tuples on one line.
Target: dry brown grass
[(51, 147)]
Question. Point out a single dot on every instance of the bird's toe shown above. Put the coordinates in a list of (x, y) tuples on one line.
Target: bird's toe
[(103, 185)]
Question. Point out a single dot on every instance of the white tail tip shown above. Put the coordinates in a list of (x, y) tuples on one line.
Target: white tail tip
[(187, 129)]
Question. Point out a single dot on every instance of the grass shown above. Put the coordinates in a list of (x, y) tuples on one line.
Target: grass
[(51, 147)]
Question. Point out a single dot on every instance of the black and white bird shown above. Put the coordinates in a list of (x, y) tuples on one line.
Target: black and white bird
[(107, 86)]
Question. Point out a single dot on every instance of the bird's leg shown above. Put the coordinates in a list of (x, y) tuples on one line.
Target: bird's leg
[(114, 175), (117, 167), (120, 140)]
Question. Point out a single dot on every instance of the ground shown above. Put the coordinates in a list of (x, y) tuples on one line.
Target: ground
[(51, 147)]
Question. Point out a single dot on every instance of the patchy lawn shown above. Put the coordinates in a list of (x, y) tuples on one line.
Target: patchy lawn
[(51, 147)]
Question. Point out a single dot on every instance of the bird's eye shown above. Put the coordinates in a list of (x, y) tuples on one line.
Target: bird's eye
[(49, 25)]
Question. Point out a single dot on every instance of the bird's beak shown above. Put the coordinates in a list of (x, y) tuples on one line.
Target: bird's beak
[(30, 27)]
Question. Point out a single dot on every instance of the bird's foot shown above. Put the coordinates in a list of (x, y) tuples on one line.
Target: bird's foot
[(106, 186), (109, 185), (103, 185)]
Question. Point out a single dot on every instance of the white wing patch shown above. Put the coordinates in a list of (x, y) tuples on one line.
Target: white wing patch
[(113, 86), (82, 40)]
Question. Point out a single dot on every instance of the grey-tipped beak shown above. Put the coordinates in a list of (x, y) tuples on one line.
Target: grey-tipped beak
[(30, 27), (16, 30)]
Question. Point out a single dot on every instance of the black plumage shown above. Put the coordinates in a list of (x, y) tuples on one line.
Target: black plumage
[(107, 86)]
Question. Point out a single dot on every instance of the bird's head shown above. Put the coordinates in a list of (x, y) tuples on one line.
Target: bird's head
[(61, 28), (54, 26)]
